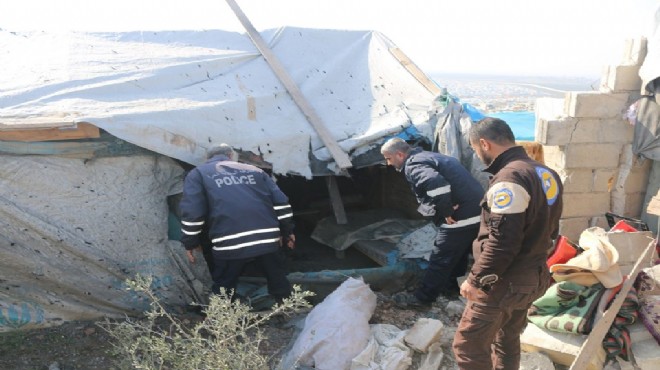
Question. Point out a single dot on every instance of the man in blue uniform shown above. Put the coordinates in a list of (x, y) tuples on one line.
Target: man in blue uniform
[(245, 216), (446, 191)]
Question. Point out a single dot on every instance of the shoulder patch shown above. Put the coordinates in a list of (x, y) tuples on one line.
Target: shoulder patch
[(507, 198), (549, 183)]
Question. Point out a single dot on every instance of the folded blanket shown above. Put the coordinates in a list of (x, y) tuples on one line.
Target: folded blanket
[(566, 307)]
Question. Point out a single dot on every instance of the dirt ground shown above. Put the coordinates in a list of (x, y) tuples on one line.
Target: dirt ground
[(83, 345)]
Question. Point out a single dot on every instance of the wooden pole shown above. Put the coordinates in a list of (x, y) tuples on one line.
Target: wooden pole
[(340, 157), (595, 338)]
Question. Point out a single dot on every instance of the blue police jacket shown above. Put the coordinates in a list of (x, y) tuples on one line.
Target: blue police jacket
[(240, 205), (443, 187)]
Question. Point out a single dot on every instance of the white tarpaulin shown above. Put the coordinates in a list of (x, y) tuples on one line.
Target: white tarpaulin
[(72, 231), (179, 93)]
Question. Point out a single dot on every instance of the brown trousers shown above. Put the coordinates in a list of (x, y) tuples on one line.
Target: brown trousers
[(488, 336)]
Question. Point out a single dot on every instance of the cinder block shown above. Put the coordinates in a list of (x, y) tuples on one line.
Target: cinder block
[(634, 51), (578, 181), (585, 204), (555, 157), (636, 182), (613, 130), (573, 227), (562, 348), (604, 155), (621, 79), (555, 132), (633, 204), (594, 104), (549, 109), (424, 333), (604, 179)]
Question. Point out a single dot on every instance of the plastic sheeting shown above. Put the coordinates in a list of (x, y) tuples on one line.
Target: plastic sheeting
[(72, 231), (179, 93), (336, 330)]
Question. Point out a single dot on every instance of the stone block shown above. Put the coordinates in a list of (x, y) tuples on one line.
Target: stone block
[(555, 157), (562, 348), (594, 104), (549, 109), (585, 204), (634, 51), (578, 180), (424, 333), (634, 202), (613, 130), (604, 179), (573, 227), (637, 181), (592, 155), (621, 78), (555, 132)]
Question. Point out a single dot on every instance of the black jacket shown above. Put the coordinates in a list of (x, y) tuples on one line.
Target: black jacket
[(441, 183), (242, 208)]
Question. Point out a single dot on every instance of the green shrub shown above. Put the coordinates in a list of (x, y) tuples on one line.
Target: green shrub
[(228, 338)]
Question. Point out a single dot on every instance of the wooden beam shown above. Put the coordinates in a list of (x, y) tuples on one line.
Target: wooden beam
[(419, 75), (335, 200), (79, 131), (595, 338), (341, 158)]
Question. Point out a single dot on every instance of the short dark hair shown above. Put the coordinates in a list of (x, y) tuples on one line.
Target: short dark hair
[(492, 129)]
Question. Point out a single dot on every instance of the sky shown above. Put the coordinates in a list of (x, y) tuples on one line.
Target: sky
[(574, 38)]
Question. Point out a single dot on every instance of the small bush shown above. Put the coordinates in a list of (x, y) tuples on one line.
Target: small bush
[(228, 338)]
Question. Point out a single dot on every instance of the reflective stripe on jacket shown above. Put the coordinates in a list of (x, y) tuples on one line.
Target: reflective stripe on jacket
[(444, 187), (242, 208)]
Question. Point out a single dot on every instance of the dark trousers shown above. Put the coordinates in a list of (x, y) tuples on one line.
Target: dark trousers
[(226, 273), (448, 262)]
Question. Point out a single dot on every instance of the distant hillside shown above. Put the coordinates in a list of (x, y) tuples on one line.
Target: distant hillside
[(509, 93)]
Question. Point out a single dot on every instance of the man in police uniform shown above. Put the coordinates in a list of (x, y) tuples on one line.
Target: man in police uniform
[(519, 220), (447, 192), (246, 216)]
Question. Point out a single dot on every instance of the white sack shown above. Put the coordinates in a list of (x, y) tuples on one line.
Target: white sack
[(336, 330)]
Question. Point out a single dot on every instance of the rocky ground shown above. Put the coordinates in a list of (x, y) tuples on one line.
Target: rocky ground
[(83, 345)]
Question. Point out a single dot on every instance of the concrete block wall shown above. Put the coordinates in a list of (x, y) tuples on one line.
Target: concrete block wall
[(587, 138)]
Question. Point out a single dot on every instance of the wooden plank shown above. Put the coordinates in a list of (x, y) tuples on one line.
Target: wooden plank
[(595, 338), (419, 75), (80, 131), (335, 200), (341, 158)]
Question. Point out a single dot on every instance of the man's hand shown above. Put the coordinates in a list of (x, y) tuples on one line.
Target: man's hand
[(469, 292), (191, 255), (291, 241)]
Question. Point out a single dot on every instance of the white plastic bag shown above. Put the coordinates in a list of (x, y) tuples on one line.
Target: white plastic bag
[(336, 330)]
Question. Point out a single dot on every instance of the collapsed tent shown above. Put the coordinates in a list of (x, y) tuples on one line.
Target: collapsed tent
[(81, 216), (179, 93)]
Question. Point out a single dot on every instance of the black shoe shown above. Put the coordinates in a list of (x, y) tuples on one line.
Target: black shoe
[(409, 300)]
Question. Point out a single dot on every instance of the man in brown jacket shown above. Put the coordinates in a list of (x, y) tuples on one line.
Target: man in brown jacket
[(519, 220)]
